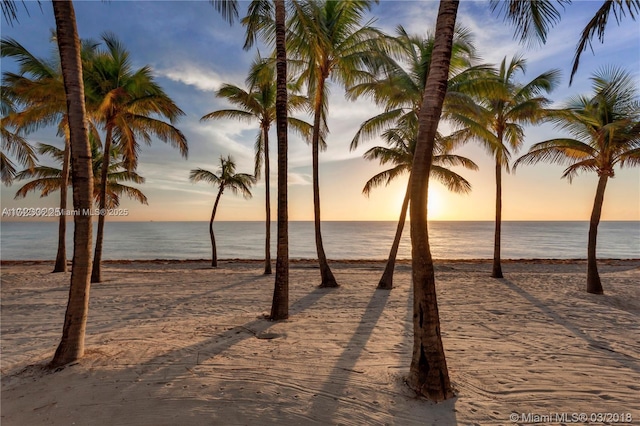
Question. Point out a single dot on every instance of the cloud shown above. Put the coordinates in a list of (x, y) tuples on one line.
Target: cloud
[(206, 80)]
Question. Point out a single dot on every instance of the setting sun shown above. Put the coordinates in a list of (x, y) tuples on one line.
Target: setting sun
[(435, 205)]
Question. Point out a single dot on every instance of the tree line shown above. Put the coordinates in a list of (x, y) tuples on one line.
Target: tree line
[(417, 80)]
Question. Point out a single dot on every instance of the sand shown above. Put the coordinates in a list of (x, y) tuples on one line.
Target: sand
[(179, 343)]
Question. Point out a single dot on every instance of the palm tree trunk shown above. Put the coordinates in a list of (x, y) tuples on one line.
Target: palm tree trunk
[(71, 345), (267, 190), (496, 271), (214, 253), (428, 374), (61, 255), (386, 282), (280, 302), (96, 273), (594, 286), (328, 280)]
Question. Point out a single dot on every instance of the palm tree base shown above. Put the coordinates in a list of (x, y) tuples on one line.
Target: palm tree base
[(594, 286), (384, 286), (329, 283)]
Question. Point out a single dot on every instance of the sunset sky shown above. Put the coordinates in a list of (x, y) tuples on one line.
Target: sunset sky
[(193, 51)]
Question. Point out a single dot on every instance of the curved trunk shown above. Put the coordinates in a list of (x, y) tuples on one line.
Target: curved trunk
[(96, 273), (386, 282), (214, 253), (594, 285), (428, 374), (267, 190), (280, 302), (496, 271), (61, 255), (71, 345), (328, 280)]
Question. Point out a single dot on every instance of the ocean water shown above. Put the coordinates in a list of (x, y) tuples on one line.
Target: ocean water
[(342, 240)]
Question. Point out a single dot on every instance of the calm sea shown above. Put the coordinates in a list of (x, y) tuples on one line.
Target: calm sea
[(342, 240)]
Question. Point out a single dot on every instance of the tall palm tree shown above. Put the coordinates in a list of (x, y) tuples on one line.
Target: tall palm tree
[(605, 130), (331, 38), (402, 143), (226, 178), (504, 110), (71, 345), (534, 19), (259, 103), (48, 179), (127, 102), (269, 20), (428, 373)]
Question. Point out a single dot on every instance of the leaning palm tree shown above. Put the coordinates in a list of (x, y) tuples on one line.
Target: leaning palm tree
[(259, 103), (226, 178), (330, 38), (127, 102), (605, 130), (47, 179), (402, 143), (71, 345), (503, 111)]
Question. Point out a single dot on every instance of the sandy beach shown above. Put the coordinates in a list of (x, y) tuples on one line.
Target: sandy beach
[(179, 343)]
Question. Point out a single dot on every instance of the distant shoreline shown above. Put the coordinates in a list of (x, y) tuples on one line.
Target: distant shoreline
[(333, 261)]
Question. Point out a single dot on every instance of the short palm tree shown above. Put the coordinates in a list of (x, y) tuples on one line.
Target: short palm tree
[(259, 103), (399, 153), (48, 179), (330, 38), (39, 90), (226, 178), (504, 109), (129, 105), (605, 130)]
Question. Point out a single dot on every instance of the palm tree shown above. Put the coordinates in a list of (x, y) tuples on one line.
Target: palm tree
[(126, 103), (533, 20), (48, 179), (503, 111), (38, 88), (259, 103), (71, 345), (428, 373), (269, 20), (401, 86), (402, 143), (330, 38), (226, 178), (606, 132)]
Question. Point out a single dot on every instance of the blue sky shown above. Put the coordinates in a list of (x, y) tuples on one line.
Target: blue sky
[(192, 51)]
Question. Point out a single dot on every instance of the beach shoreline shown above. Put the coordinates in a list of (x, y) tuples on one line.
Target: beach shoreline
[(178, 342)]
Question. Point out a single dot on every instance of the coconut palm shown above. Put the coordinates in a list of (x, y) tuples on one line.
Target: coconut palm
[(39, 90), (399, 85), (127, 102), (13, 144), (47, 179), (268, 20), (330, 37), (259, 103), (605, 132), (428, 373), (71, 345), (402, 143), (503, 111), (226, 178), (534, 19)]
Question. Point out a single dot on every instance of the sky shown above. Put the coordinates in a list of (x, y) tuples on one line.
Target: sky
[(192, 51)]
